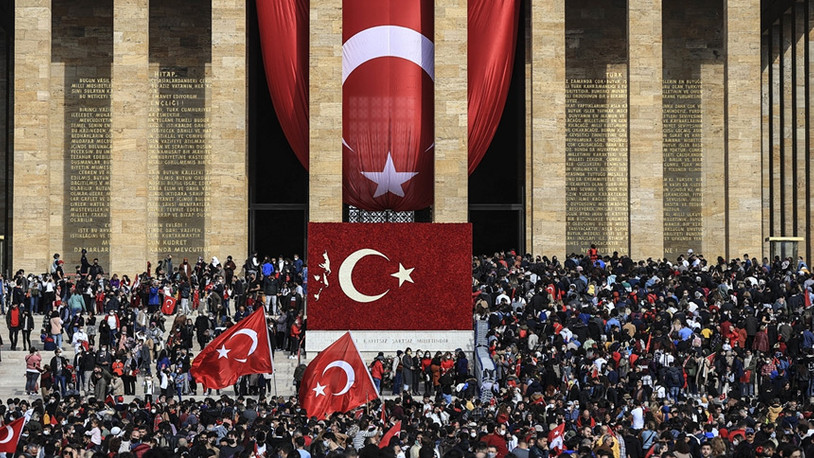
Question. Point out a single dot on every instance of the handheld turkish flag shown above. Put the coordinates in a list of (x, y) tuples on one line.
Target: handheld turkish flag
[(361, 272), (389, 435), (555, 438), (337, 380), (240, 350), (10, 434), (807, 297), (168, 307)]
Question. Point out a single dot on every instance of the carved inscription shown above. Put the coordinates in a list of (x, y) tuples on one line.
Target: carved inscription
[(596, 164), (683, 165), (87, 106), (179, 147)]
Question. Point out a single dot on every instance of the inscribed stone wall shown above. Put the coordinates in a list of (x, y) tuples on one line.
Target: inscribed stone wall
[(179, 135), (693, 164), (596, 126), (81, 56)]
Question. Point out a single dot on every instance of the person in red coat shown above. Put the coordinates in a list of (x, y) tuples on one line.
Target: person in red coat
[(496, 438), (377, 371)]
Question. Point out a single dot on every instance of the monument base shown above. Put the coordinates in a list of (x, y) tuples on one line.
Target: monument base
[(390, 341)]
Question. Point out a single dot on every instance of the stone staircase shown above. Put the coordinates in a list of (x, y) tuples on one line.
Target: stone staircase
[(12, 372)]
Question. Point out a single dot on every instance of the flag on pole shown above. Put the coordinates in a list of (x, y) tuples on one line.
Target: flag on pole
[(385, 442), (243, 349), (556, 438), (337, 380), (10, 434)]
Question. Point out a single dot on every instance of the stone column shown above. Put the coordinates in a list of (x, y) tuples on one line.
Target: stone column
[(451, 104), (645, 108), (743, 126), (32, 59), (546, 160), (801, 102), (227, 221), (128, 118), (325, 112), (787, 152)]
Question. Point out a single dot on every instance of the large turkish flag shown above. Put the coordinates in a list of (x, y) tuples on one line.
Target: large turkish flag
[(10, 434), (243, 349), (388, 71), (414, 276), (337, 380)]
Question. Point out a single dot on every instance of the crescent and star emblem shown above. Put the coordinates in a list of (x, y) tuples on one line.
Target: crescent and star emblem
[(349, 374), (388, 41), (223, 352), (9, 435), (346, 275)]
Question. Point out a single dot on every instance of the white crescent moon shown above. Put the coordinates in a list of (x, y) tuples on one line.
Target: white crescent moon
[(351, 375), (253, 335), (9, 435), (346, 276), (388, 41)]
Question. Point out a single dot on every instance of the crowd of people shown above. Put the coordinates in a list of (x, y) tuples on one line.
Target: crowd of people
[(602, 355)]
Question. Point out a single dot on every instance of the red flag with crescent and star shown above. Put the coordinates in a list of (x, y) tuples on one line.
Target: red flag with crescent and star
[(243, 349), (10, 434), (337, 380), (389, 276), (168, 306)]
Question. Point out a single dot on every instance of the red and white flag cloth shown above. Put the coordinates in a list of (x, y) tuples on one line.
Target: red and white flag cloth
[(243, 349), (556, 438), (10, 434), (395, 429), (361, 272), (168, 307), (337, 380)]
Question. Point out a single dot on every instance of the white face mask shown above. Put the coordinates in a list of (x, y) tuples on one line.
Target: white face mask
[(400, 455)]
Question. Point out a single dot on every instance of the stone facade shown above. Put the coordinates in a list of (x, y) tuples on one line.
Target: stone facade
[(643, 122)]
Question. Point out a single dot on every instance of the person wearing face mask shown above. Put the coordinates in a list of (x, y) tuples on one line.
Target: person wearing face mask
[(496, 437)]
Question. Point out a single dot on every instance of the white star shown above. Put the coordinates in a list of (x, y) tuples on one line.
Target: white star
[(223, 351), (404, 275), (388, 180), (319, 390)]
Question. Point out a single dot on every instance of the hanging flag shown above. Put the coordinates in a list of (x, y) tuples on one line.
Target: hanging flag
[(10, 434), (556, 439), (168, 307), (385, 442), (337, 380), (807, 295), (243, 349)]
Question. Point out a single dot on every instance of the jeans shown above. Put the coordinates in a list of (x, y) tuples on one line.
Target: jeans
[(13, 333), (57, 340), (59, 383), (397, 385), (378, 383), (31, 381)]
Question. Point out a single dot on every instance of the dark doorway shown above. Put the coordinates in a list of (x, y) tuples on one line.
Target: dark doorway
[(496, 188)]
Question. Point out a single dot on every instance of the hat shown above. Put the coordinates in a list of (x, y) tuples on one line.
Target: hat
[(115, 431), (749, 430)]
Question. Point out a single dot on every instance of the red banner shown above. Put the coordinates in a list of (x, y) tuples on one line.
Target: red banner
[(388, 78), (284, 41), (389, 276)]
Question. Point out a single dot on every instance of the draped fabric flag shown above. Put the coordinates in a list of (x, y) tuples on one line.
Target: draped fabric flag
[(243, 349), (388, 81), (388, 68), (284, 41), (492, 32)]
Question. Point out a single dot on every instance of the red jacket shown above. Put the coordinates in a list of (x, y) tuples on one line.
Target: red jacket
[(377, 371)]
